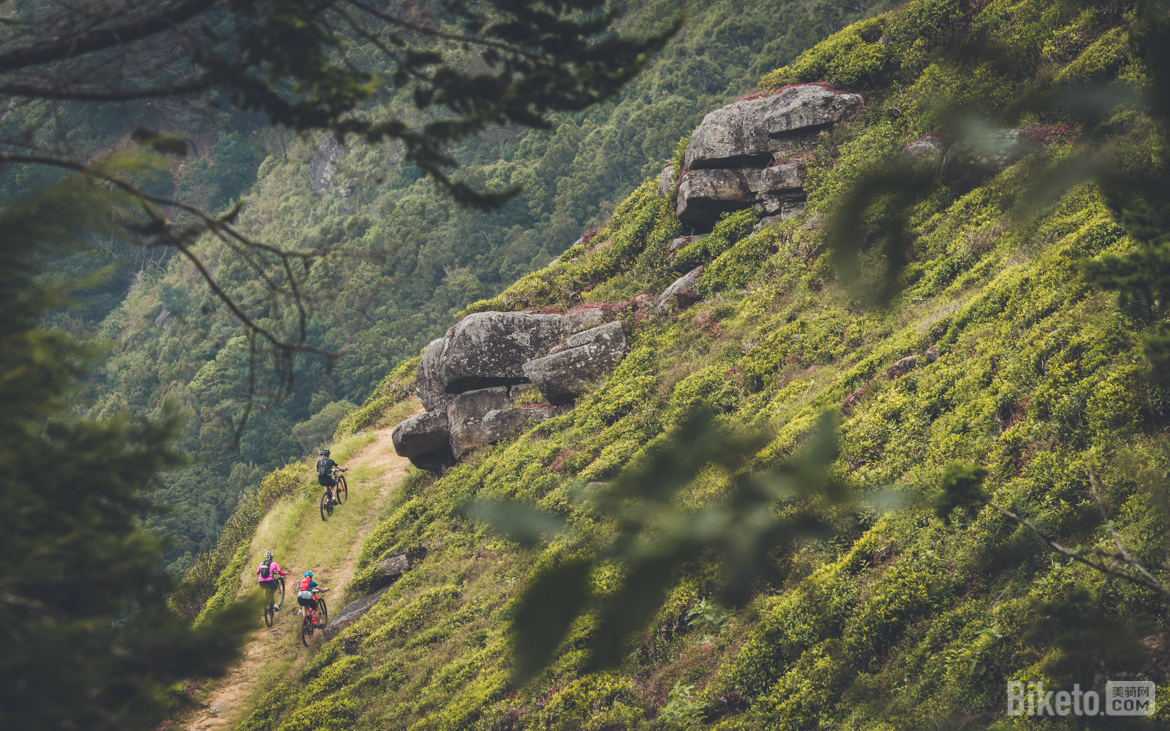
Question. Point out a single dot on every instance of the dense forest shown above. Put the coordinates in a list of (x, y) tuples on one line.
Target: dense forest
[(403, 256)]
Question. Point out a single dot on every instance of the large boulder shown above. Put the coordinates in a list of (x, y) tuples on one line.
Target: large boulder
[(490, 348), (807, 106), (428, 380), (324, 164), (466, 413), (501, 424), (969, 163), (682, 294), (425, 440), (584, 358), (705, 194), (754, 132), (351, 613)]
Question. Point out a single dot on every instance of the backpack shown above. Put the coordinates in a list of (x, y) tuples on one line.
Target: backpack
[(266, 570), (323, 467), (305, 583)]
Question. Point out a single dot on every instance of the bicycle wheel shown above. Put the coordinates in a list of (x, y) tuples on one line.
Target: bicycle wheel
[(280, 593), (342, 490), (306, 628), (326, 508), (322, 614), (269, 615)]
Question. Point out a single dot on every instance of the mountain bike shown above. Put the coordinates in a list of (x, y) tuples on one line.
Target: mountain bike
[(271, 609), (314, 618), (342, 491)]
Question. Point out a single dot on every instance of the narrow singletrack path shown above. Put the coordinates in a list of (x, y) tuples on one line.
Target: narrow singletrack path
[(302, 541)]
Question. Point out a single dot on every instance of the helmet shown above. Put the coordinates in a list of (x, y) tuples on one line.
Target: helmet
[(324, 452), (268, 555), (309, 574)]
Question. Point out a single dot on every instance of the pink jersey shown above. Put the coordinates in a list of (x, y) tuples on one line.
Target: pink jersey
[(272, 574)]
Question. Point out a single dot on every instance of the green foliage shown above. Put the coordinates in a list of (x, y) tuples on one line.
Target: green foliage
[(92, 643), (962, 489)]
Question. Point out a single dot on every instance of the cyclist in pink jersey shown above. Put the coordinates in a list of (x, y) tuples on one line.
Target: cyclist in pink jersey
[(267, 572)]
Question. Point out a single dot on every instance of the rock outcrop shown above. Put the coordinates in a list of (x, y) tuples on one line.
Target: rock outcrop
[(352, 612), (324, 164), (584, 358), (469, 379), (666, 182), (682, 294), (425, 440), (928, 150), (739, 156), (969, 163)]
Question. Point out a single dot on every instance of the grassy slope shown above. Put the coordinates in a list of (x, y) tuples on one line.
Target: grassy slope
[(900, 622), (293, 530)]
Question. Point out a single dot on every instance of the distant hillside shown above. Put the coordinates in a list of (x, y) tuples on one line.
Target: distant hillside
[(995, 353)]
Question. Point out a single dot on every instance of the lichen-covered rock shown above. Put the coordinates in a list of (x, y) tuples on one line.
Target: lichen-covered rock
[(425, 440), (582, 359), (352, 612), (749, 134), (467, 410), (583, 319), (969, 163), (428, 380), (502, 424), (490, 348), (324, 164), (704, 195), (682, 294), (928, 150), (666, 182), (807, 106)]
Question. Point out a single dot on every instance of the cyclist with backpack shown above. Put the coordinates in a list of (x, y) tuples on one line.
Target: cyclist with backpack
[(325, 467), (267, 572), (305, 596)]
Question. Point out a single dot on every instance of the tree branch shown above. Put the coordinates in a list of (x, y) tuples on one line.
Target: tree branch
[(100, 40), (199, 83)]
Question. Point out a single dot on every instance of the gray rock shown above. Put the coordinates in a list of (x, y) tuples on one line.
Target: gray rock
[(351, 613), (928, 150), (425, 440), (807, 106), (466, 412), (581, 360), (396, 565), (428, 381), (583, 319), (750, 133), (682, 294), (677, 245), (731, 137), (706, 194), (490, 348), (501, 424), (969, 163), (666, 182), (324, 164)]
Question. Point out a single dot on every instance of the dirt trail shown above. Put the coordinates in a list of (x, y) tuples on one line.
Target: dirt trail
[(280, 645)]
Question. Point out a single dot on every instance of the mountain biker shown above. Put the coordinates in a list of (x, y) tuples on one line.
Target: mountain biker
[(305, 596), (267, 572), (325, 477)]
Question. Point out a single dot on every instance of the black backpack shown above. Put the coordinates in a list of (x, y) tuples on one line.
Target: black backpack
[(323, 467), (266, 570)]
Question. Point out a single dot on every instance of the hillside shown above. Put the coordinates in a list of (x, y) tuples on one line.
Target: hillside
[(996, 351), (402, 257)]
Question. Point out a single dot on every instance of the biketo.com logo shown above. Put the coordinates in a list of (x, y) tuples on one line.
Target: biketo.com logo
[(1121, 698)]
